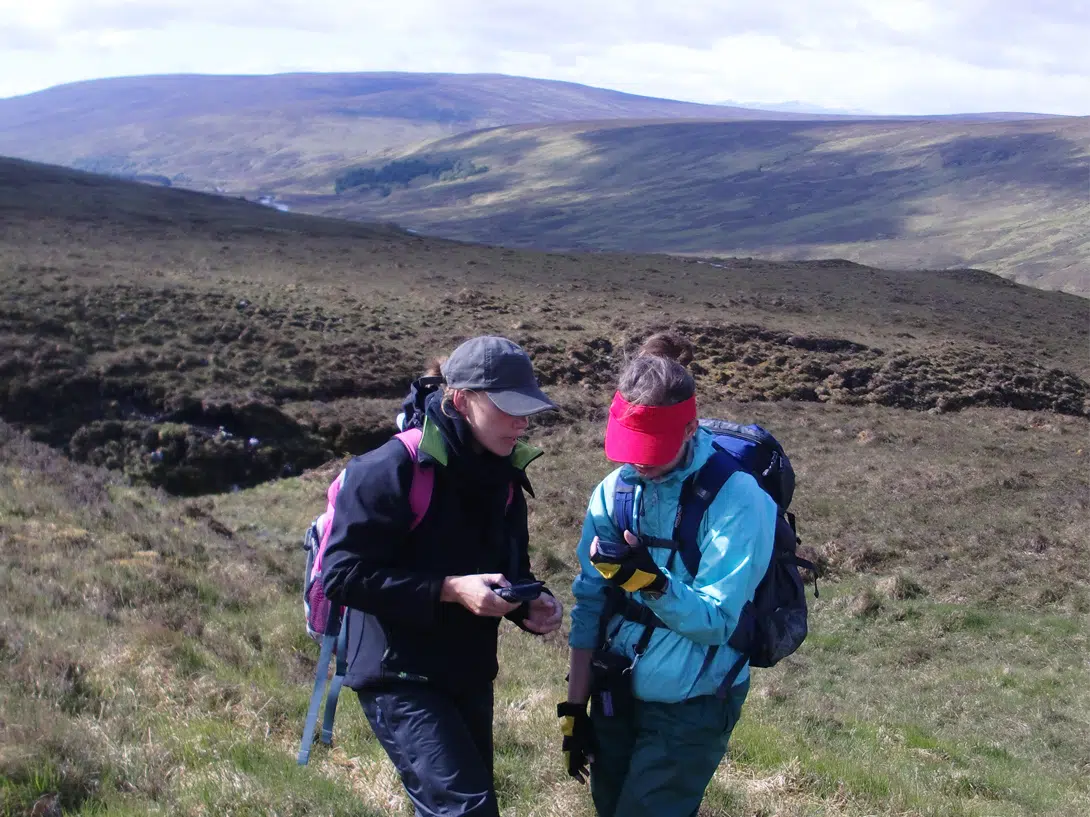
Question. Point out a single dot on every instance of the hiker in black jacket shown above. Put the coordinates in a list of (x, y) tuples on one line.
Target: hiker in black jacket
[(423, 603)]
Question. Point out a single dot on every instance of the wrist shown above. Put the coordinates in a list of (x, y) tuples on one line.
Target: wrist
[(450, 590), (657, 589), (566, 709)]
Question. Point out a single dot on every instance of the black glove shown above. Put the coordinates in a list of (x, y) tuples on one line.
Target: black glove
[(629, 567), (579, 740)]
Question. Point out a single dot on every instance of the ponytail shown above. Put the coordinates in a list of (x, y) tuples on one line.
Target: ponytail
[(657, 375)]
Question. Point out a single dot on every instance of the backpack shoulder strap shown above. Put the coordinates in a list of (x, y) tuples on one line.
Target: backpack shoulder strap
[(697, 495), (423, 478), (324, 523), (624, 506)]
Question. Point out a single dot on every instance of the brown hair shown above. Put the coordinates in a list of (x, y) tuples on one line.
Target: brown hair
[(657, 376), (447, 404), (669, 345), (435, 367)]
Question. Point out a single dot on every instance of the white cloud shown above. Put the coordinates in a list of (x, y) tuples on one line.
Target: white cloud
[(909, 56)]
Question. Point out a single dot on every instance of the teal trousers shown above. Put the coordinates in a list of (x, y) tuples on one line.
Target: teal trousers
[(657, 760)]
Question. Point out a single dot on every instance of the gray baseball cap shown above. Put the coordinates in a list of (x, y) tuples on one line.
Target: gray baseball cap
[(502, 370)]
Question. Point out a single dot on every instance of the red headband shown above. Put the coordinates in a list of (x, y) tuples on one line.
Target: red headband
[(647, 435)]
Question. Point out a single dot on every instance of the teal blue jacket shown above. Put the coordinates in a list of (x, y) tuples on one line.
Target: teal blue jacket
[(735, 543)]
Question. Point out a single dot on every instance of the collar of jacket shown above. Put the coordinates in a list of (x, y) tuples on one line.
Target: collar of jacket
[(433, 449), (700, 450)]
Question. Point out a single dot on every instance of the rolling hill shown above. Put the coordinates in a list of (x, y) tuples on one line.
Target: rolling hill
[(290, 132), (180, 312), (1008, 197), (254, 133)]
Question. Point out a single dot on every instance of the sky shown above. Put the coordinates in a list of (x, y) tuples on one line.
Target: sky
[(881, 56)]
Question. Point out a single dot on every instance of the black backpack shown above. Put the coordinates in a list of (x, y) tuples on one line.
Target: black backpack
[(774, 624), (412, 407)]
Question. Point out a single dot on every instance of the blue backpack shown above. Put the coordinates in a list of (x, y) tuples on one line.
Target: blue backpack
[(773, 625)]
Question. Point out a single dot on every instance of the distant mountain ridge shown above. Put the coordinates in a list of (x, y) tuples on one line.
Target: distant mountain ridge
[(290, 132), (796, 106), (256, 133), (557, 165), (812, 109)]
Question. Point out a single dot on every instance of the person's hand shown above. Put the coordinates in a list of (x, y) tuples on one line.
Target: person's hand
[(636, 570), (580, 742), (544, 614), (475, 593)]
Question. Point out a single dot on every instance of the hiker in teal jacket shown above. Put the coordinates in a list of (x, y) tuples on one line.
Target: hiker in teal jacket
[(656, 754)]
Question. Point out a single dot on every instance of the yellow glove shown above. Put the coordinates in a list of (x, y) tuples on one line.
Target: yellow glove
[(629, 567), (579, 744)]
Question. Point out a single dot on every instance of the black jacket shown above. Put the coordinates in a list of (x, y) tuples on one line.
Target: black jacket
[(390, 578)]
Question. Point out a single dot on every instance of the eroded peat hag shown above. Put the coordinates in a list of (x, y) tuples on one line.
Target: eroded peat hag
[(181, 387), (204, 389)]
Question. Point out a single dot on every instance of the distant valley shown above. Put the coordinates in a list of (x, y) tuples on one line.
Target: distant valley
[(1008, 197)]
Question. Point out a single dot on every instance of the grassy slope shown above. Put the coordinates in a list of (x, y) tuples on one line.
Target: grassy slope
[(284, 132), (152, 659), (944, 674), (1008, 197)]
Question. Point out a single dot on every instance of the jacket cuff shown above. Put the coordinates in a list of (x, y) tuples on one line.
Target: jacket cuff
[(434, 589), (583, 640), (519, 614), (667, 602)]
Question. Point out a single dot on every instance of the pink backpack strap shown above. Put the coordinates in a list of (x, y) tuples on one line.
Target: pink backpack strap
[(423, 478), (325, 522)]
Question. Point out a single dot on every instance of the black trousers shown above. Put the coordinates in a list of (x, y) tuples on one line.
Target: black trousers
[(441, 744)]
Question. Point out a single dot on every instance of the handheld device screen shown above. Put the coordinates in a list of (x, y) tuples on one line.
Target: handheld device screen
[(521, 591)]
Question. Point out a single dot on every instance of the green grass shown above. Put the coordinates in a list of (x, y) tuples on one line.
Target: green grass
[(963, 731), (936, 697)]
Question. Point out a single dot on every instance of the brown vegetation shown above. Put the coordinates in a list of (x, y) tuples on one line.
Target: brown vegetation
[(249, 347), (152, 653)]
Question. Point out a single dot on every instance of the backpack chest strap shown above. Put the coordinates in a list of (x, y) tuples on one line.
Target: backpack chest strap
[(632, 610)]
